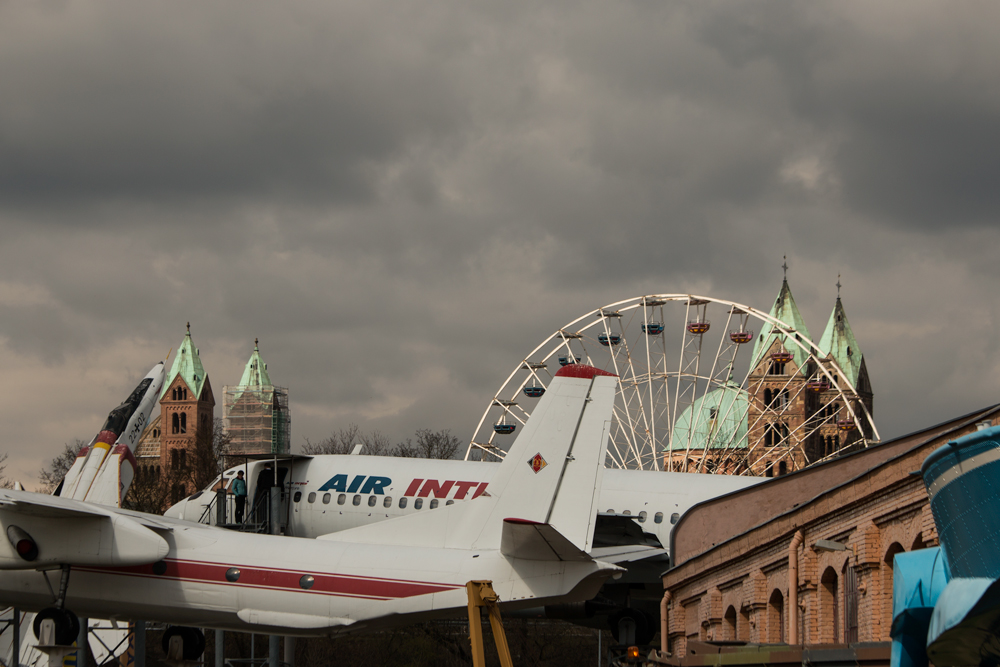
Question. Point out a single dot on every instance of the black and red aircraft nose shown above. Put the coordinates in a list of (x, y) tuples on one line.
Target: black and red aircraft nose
[(23, 543)]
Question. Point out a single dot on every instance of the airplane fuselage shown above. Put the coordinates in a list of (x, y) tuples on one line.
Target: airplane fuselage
[(330, 493), (219, 578)]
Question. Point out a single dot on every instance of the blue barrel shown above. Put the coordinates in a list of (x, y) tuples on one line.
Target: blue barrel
[(963, 482)]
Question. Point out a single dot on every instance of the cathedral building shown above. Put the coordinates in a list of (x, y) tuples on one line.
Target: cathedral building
[(187, 415), (257, 419), (793, 405)]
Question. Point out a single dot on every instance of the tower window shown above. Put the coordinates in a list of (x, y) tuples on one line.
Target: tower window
[(184, 422), (175, 423)]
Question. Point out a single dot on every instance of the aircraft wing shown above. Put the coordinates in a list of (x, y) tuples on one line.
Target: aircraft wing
[(537, 541), (47, 530)]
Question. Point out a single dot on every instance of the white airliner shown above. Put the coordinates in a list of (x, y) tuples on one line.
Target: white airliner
[(324, 494), (530, 534)]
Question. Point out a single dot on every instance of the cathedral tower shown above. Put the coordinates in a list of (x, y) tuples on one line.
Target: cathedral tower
[(187, 412)]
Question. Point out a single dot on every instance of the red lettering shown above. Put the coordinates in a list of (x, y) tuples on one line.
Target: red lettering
[(462, 488), (480, 491), (412, 488), (440, 489)]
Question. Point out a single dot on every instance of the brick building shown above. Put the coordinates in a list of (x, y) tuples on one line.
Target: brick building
[(806, 558), (187, 416), (789, 410)]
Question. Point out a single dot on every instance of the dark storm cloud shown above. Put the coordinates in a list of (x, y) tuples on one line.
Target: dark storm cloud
[(184, 101)]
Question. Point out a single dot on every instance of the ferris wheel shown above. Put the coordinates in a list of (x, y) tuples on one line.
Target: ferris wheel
[(745, 394)]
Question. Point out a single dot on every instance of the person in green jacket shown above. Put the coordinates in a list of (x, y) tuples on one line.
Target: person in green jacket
[(240, 492)]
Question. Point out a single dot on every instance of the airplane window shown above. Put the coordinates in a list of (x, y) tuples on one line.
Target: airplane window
[(341, 499), (402, 503), (311, 498), (674, 517), (297, 497), (418, 503), (611, 511), (326, 498), (356, 501), (387, 502), (627, 512), (450, 502), (434, 504), (658, 517), (306, 581), (233, 574), (642, 517), (372, 500)]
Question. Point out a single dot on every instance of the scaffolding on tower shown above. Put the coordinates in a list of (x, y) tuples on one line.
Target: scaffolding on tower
[(256, 419)]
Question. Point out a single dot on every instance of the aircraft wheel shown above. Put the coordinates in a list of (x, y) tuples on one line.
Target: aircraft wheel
[(66, 622), (638, 620), (192, 642)]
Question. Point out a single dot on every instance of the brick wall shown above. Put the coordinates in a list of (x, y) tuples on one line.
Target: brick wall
[(876, 514)]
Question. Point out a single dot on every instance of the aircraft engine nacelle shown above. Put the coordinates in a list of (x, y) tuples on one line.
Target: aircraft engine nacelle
[(38, 541)]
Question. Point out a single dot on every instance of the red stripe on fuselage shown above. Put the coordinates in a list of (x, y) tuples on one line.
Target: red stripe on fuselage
[(286, 580)]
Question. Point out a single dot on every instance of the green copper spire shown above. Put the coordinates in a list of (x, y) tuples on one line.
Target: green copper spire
[(838, 341), (784, 309), (187, 364), (255, 373)]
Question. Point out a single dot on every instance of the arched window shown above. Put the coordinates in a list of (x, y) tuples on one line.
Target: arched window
[(729, 624), (782, 468), (183, 459), (890, 555), (829, 604), (776, 617), (767, 397), (174, 459), (175, 423), (184, 422)]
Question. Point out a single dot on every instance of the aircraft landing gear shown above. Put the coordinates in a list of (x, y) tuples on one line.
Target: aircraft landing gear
[(182, 644), (56, 627)]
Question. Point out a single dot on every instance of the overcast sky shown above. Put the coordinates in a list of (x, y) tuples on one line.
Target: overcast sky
[(401, 199)]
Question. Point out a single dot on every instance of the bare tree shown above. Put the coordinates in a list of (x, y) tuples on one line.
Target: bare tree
[(5, 483), (52, 475), (344, 441), (429, 445)]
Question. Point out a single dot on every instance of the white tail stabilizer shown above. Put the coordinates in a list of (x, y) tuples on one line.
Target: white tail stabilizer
[(550, 476)]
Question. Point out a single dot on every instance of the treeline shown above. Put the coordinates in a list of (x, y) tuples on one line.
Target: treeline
[(426, 444)]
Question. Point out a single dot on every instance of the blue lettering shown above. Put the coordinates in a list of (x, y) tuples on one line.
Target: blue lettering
[(376, 484), (336, 483), (355, 484)]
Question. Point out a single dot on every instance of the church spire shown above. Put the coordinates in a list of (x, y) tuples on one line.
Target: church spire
[(187, 364), (838, 341), (786, 310)]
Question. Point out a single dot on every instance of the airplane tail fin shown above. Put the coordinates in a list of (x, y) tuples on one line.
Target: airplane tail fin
[(545, 489)]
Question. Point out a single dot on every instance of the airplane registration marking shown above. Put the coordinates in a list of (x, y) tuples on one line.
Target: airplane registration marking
[(338, 585)]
